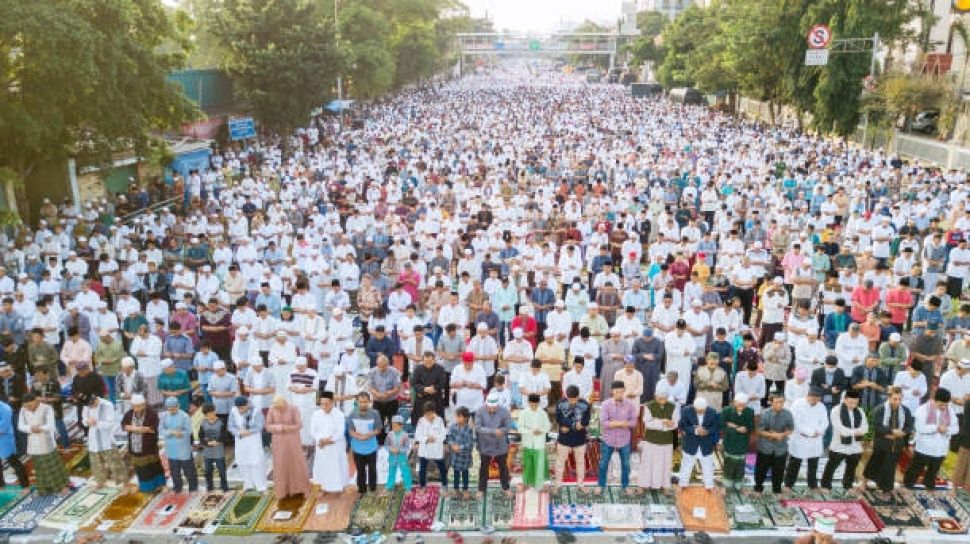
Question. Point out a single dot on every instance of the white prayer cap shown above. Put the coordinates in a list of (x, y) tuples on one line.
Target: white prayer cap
[(127, 362), (256, 360), (165, 363), (218, 365), (700, 403), (614, 330), (492, 399), (696, 303), (242, 330), (517, 332), (338, 311), (482, 327), (281, 334), (137, 399), (349, 345), (180, 306), (300, 360), (740, 398), (895, 337), (779, 336), (965, 363)]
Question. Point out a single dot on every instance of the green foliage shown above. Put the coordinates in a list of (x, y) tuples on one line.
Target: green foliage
[(364, 32), (644, 48), (282, 55), (85, 78)]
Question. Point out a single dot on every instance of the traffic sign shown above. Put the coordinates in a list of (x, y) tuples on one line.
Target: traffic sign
[(242, 128), (819, 36), (534, 45), (816, 57)]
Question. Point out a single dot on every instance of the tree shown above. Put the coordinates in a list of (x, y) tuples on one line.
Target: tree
[(690, 40), (364, 32), (83, 78), (645, 48), (282, 56), (899, 95)]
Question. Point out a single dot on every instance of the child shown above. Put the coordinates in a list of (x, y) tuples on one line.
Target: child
[(533, 423), (503, 392), (461, 440), (212, 436), (398, 445), (430, 437)]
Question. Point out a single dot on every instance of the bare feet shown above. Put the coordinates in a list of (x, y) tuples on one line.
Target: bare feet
[(598, 491), (630, 492)]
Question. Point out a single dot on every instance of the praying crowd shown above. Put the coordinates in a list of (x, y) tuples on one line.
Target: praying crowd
[(495, 265)]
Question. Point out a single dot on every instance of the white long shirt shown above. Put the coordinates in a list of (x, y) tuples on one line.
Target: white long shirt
[(809, 421), (929, 440)]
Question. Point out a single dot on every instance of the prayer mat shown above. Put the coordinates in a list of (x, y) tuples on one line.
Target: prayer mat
[(963, 499), (619, 496), (164, 513), (572, 517), (563, 495), (287, 515), (10, 495), (746, 513), (851, 517), (588, 495), (81, 509), (893, 510), (531, 510), (122, 512), (376, 513), (331, 513), (592, 462), (206, 510), (241, 515), (514, 460), (702, 510), (458, 514), (25, 515), (786, 517), (79, 464), (662, 518), (905, 459), (418, 510), (499, 509), (932, 506), (619, 517)]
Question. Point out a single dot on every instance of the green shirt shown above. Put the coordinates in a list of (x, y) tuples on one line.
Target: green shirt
[(660, 412), (736, 443), (107, 357)]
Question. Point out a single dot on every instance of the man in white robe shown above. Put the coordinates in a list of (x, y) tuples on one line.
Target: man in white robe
[(330, 469), (806, 441), (246, 425)]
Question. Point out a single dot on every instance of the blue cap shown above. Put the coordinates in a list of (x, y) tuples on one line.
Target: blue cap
[(171, 401), (648, 331), (240, 401)]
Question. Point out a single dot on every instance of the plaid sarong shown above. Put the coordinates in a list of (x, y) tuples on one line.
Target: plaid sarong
[(50, 473)]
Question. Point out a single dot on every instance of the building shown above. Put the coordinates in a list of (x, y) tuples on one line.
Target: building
[(670, 8)]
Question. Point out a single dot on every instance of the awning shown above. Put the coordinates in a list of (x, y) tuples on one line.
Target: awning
[(339, 105)]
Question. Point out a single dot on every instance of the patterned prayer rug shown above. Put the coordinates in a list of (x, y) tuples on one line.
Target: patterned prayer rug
[(25, 515), (591, 461), (418, 510), (906, 458), (572, 517), (81, 509), (662, 517), (893, 510), (241, 515), (851, 517), (164, 513), (932, 506), (122, 512), (702, 510), (376, 513), (287, 515), (9, 497), (746, 513), (563, 495), (619, 517), (617, 495), (206, 510), (531, 510), (459, 514), (331, 513), (499, 509), (963, 499), (786, 517)]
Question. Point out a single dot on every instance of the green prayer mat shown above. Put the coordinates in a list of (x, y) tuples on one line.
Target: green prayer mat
[(564, 495), (81, 509), (377, 513), (243, 513), (746, 513), (460, 514), (617, 495), (499, 509), (9, 497), (893, 509)]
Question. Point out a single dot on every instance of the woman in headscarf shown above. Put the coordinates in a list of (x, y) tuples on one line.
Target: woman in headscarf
[(36, 420), (141, 424), (290, 473)]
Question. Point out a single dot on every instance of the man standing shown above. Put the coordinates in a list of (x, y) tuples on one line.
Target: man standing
[(618, 417), (811, 421), (935, 423), (8, 450), (893, 424), (365, 425), (533, 423), (176, 428), (429, 381), (849, 425), (330, 469), (246, 426), (572, 417), (699, 425), (774, 427), (384, 385), (493, 422), (106, 462), (737, 424)]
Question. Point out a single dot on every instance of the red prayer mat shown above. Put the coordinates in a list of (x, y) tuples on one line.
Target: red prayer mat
[(592, 461), (418, 510), (850, 516), (531, 510), (164, 513)]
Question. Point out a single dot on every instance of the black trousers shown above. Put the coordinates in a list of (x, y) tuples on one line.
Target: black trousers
[(746, 296), (14, 462), (922, 461), (764, 462), (881, 469), (366, 472), (836, 459), (794, 465), (503, 471), (387, 409)]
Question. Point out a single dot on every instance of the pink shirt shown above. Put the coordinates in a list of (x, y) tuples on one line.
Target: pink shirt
[(898, 296), (863, 297), (76, 352)]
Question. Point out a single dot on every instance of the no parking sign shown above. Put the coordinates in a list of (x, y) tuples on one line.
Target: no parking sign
[(819, 36)]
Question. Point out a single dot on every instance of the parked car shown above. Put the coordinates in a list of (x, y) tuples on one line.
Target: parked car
[(925, 122), (687, 95)]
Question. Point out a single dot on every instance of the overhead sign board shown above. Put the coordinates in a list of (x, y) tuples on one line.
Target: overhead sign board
[(816, 57), (819, 36), (242, 128)]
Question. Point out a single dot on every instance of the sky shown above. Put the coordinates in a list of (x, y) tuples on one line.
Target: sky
[(543, 15)]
